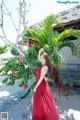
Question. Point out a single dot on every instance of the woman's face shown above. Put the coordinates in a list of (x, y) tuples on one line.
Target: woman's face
[(42, 59)]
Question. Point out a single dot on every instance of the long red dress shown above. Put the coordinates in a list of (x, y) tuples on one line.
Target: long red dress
[(44, 107)]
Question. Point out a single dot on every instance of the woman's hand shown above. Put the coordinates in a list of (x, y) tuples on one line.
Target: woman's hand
[(41, 50), (35, 89)]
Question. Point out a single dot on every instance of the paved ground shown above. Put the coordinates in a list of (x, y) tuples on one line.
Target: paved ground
[(18, 109)]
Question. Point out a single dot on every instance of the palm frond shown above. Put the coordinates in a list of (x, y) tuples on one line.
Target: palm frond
[(78, 47), (69, 44), (35, 35), (67, 33), (47, 26)]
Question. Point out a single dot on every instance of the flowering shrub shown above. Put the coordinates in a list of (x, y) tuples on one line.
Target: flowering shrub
[(15, 68), (15, 74), (20, 59), (25, 86)]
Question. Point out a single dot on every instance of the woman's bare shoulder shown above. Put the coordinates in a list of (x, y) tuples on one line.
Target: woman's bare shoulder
[(45, 67)]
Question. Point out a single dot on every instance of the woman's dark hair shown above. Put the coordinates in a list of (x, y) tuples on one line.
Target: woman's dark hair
[(54, 73)]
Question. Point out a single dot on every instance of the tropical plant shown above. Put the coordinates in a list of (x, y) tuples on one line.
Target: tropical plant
[(3, 49), (46, 38), (13, 51), (51, 40)]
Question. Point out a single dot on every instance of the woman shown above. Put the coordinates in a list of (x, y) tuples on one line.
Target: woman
[(43, 104)]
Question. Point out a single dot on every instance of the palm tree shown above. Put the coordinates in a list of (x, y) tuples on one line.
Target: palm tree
[(51, 40), (43, 37)]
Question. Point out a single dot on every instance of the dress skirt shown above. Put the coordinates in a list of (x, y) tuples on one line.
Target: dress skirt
[(44, 107)]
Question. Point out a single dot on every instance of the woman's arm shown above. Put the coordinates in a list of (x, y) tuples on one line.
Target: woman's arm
[(40, 51), (39, 56), (44, 70)]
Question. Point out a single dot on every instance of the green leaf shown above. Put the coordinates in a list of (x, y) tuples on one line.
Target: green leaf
[(25, 78), (21, 84), (5, 80), (28, 91)]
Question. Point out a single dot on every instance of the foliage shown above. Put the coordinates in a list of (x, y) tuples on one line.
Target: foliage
[(78, 47), (70, 45), (13, 51), (50, 40), (15, 69), (3, 49)]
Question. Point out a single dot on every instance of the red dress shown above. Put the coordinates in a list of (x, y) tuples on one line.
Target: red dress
[(44, 107)]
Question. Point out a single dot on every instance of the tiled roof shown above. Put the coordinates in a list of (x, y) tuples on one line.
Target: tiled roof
[(70, 14), (65, 16)]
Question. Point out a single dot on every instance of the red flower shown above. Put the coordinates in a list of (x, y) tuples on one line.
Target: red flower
[(15, 74), (25, 86), (29, 44), (20, 59)]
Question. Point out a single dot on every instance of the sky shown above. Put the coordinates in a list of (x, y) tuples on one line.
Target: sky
[(39, 9)]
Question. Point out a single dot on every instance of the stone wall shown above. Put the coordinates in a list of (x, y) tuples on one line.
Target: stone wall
[(71, 74)]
